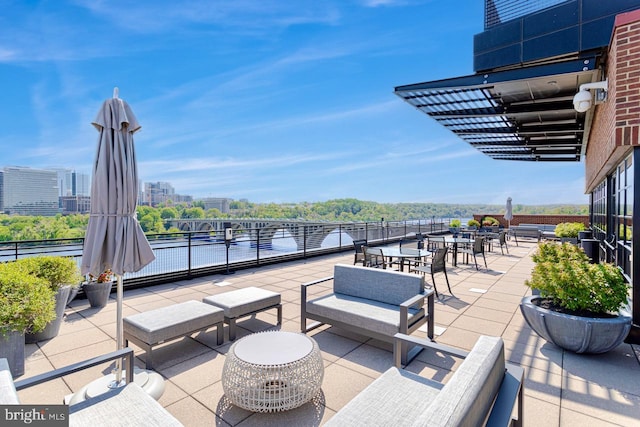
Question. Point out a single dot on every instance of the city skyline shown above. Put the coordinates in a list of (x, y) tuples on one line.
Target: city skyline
[(260, 101)]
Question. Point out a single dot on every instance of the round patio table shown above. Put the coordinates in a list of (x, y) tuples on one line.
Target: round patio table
[(272, 371)]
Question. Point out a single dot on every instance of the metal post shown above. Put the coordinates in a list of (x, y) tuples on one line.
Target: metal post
[(189, 255), (258, 247), (304, 240)]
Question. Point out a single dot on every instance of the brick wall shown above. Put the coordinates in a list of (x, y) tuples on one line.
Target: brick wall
[(615, 127), (536, 219)]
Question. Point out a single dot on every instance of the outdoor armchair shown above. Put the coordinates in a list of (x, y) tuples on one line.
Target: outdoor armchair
[(128, 405)]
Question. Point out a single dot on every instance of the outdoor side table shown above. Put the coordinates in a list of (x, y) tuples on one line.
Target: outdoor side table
[(272, 371)]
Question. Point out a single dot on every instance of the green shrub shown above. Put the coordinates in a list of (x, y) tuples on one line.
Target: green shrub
[(563, 273), (569, 229), (473, 223), (489, 221), (27, 303), (57, 271), (455, 223)]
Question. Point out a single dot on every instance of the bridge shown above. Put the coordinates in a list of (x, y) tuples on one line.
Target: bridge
[(262, 231)]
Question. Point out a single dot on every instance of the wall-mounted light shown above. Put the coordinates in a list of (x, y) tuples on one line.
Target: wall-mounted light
[(582, 100)]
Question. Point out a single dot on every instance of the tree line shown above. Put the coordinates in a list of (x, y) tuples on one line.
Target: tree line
[(158, 219)]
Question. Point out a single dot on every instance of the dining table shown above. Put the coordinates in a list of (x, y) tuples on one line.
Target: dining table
[(404, 254)]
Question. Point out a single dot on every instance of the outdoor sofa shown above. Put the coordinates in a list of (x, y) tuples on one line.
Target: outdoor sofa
[(483, 391), (526, 231), (371, 302), (127, 405)]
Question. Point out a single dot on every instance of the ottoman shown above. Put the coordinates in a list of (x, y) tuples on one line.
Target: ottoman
[(175, 321), (245, 302)]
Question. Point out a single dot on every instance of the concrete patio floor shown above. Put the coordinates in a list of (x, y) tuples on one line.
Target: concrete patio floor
[(562, 388)]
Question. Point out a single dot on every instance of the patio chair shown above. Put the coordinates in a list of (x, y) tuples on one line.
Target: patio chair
[(412, 244), (359, 254), (373, 257), (476, 249), (502, 238), (437, 265)]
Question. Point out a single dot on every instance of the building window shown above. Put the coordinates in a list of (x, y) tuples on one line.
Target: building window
[(623, 214)]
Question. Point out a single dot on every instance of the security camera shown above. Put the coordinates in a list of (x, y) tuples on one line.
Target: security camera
[(582, 100)]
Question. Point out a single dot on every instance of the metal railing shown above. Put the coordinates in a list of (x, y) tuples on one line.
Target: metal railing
[(499, 11), (190, 254)]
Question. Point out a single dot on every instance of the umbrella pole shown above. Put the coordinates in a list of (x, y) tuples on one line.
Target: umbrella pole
[(119, 340)]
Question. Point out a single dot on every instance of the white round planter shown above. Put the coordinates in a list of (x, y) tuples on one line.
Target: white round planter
[(576, 333)]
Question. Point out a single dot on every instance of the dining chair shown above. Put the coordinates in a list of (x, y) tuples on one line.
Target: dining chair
[(476, 249), (437, 265), (373, 257), (412, 244), (502, 239), (359, 254)]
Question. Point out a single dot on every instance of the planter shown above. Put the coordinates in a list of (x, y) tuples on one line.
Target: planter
[(12, 349), (586, 234), (572, 240), (73, 293), (576, 333), (97, 293), (53, 327)]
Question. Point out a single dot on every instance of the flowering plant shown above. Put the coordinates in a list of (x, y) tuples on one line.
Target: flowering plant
[(104, 277)]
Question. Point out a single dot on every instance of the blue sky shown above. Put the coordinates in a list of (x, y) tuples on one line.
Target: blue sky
[(273, 101)]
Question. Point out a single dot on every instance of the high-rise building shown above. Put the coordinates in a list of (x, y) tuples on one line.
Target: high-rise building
[(27, 191), (157, 192), (72, 183), (220, 203), (80, 184)]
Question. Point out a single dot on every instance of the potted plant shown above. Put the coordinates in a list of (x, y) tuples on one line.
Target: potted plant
[(568, 231), (26, 305), (473, 224), (580, 306), (98, 288), (454, 226), (61, 274)]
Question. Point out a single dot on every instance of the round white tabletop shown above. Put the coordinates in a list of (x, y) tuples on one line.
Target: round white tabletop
[(273, 348)]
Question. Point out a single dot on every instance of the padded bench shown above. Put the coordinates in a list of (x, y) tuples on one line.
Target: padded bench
[(524, 231), (245, 302), (175, 321)]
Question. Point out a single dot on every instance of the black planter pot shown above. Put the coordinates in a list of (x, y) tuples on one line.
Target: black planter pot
[(12, 349), (576, 333), (97, 293), (53, 327)]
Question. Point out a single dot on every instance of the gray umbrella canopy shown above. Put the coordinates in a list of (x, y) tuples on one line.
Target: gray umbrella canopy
[(114, 239), (508, 214)]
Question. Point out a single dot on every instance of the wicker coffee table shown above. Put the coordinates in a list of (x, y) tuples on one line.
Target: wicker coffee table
[(272, 371)]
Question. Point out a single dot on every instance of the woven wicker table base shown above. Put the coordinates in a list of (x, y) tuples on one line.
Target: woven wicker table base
[(272, 371)]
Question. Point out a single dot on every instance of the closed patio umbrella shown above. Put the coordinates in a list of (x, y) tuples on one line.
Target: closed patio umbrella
[(114, 239), (508, 214)]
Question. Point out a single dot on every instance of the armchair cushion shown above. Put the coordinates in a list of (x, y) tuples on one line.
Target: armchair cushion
[(388, 400), (125, 406), (371, 315)]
